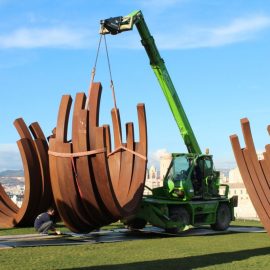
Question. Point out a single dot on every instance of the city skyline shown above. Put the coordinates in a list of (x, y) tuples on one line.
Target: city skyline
[(216, 54)]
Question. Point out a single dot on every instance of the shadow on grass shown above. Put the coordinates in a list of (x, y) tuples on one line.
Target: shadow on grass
[(186, 263)]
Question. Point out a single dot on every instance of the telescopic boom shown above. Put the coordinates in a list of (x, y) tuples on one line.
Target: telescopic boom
[(120, 24)]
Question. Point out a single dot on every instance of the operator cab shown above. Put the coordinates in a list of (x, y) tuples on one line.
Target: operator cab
[(191, 176)]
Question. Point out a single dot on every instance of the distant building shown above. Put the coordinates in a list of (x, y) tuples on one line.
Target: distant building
[(245, 209), (165, 161), (17, 199), (223, 178), (152, 180), (14, 187)]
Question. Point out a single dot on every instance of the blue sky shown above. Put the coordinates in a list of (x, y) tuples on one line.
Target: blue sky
[(217, 53)]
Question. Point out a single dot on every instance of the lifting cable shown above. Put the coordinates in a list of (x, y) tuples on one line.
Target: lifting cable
[(113, 93), (110, 72), (93, 73)]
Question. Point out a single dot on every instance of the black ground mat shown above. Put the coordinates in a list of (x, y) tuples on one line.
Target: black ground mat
[(118, 235)]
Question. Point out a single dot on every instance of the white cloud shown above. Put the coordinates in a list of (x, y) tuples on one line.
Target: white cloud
[(238, 30), (9, 157), (45, 37), (154, 157)]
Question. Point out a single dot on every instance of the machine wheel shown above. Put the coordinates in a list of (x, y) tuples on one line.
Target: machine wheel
[(136, 224), (178, 214), (223, 218)]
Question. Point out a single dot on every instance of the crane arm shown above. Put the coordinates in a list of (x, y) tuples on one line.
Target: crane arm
[(120, 24)]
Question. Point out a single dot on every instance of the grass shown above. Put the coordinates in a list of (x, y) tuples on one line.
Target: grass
[(227, 251), (240, 222)]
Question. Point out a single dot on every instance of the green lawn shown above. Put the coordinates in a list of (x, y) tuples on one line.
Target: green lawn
[(229, 251)]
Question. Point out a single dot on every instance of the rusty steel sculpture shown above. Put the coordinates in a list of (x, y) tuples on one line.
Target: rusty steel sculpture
[(38, 193), (90, 185), (255, 172), (93, 185)]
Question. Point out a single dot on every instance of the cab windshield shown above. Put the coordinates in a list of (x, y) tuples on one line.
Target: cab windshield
[(179, 169)]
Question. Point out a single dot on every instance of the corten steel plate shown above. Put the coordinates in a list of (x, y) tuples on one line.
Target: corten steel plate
[(255, 173), (41, 146), (38, 195), (93, 186), (66, 193), (128, 165), (99, 162), (93, 204)]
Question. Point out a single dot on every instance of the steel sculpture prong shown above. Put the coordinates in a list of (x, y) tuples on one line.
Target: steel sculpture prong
[(38, 194), (255, 173)]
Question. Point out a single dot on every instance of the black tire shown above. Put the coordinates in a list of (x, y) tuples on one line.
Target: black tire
[(223, 218), (136, 224), (178, 214)]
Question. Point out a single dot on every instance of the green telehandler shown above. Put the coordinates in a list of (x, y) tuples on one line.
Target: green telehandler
[(191, 191)]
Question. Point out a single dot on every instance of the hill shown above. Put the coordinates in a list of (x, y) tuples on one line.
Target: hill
[(12, 173)]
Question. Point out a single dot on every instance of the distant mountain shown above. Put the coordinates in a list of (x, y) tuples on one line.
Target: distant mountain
[(12, 173)]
